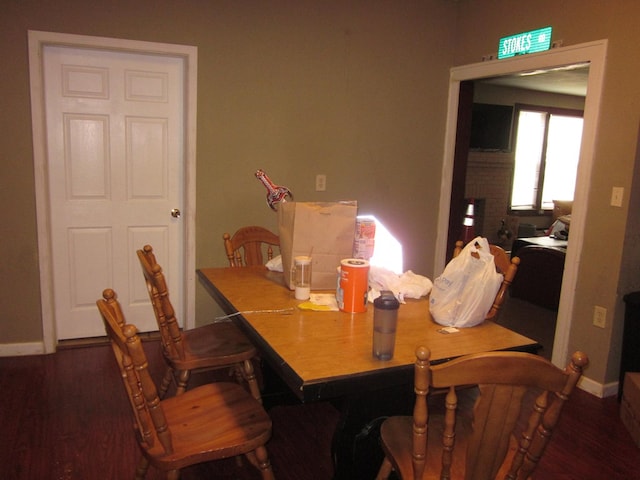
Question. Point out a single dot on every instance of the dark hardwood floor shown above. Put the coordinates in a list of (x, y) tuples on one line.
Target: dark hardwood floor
[(65, 417)]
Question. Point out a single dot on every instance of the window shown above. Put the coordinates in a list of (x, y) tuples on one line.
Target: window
[(547, 151)]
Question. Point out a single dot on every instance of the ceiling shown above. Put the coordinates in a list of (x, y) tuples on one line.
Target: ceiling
[(568, 80)]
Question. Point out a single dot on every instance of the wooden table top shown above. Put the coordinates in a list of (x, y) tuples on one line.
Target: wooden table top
[(328, 354)]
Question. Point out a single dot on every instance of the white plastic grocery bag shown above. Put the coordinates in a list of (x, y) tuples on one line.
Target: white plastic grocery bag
[(462, 296)]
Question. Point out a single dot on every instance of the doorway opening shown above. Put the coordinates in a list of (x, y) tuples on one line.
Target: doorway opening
[(591, 53)]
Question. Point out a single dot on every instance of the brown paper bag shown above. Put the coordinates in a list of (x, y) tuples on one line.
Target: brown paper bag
[(324, 229)]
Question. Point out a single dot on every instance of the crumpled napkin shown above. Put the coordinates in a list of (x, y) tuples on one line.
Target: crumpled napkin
[(406, 285), (275, 264)]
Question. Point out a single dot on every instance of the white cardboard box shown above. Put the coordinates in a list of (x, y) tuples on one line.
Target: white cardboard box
[(630, 405)]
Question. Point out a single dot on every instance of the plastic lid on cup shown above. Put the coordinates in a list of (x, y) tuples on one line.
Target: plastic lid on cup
[(386, 301), (354, 262), (303, 260)]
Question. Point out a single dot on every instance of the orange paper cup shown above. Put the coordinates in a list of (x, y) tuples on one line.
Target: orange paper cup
[(353, 285)]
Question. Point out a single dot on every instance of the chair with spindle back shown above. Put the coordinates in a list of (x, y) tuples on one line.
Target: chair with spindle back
[(213, 346), (504, 265), (210, 422), (493, 436), (245, 247)]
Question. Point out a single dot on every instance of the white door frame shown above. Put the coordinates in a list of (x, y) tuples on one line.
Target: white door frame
[(592, 52), (37, 41)]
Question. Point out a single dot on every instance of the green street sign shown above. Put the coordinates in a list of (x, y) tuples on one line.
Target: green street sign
[(524, 43)]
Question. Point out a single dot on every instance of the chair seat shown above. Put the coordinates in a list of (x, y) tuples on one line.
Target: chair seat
[(213, 421), (209, 347), (214, 345), (399, 430)]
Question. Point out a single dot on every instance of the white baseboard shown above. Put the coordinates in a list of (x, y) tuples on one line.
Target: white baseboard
[(21, 349), (598, 389)]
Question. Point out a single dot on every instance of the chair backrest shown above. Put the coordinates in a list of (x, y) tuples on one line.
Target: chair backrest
[(150, 420), (506, 266), (245, 247), (162, 307), (503, 378)]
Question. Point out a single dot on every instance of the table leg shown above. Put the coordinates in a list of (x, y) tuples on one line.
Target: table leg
[(356, 443)]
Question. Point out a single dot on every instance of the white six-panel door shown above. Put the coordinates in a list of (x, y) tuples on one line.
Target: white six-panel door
[(114, 128)]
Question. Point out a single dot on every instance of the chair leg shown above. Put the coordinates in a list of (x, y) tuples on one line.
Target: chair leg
[(250, 377), (173, 475), (141, 468), (260, 459), (385, 470), (166, 381), (182, 380)]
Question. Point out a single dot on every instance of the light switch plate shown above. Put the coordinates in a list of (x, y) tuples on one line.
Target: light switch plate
[(600, 316), (321, 183), (616, 196)]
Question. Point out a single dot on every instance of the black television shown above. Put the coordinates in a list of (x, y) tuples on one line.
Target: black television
[(491, 127)]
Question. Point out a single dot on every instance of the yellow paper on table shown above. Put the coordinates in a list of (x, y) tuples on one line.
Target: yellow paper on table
[(320, 302)]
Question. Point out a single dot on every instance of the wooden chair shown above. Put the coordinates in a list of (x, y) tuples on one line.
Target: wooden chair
[(489, 431), (210, 422), (506, 266), (214, 346), (245, 247)]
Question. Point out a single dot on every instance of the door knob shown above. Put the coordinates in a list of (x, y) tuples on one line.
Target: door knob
[(175, 213)]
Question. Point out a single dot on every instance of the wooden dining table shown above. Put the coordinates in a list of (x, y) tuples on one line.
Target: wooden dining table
[(327, 355)]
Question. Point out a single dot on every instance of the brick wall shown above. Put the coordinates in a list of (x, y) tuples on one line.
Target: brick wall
[(489, 178)]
